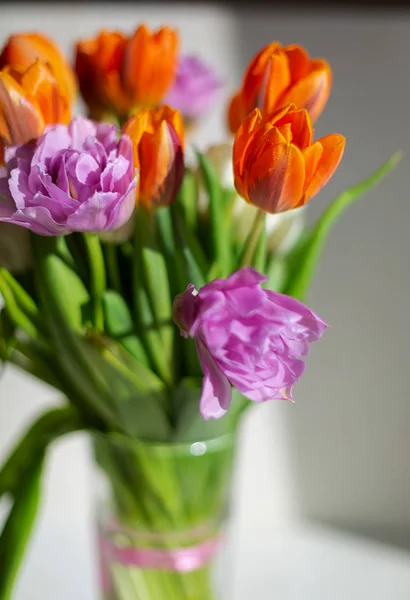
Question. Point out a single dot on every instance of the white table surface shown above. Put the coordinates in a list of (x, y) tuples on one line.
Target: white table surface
[(284, 563)]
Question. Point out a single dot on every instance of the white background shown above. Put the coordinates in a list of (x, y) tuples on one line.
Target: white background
[(341, 453)]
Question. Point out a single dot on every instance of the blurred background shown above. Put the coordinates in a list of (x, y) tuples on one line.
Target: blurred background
[(337, 461)]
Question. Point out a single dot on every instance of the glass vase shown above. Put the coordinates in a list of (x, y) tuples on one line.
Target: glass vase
[(161, 516)]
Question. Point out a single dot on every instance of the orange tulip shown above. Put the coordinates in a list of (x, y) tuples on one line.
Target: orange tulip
[(29, 100), (120, 74), (23, 49), (278, 76), (276, 165), (158, 143)]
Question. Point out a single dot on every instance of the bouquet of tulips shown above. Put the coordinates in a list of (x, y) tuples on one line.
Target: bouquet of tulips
[(158, 288)]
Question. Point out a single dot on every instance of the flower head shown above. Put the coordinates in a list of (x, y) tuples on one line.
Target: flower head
[(157, 137), (74, 178), (246, 336), (120, 74), (30, 99), (278, 76), (277, 166), (23, 49), (283, 229), (195, 89)]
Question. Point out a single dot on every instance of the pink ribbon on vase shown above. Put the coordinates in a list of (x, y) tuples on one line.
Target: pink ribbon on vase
[(181, 560)]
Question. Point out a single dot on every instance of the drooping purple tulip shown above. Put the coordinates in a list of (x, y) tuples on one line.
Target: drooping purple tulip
[(75, 177), (246, 336), (195, 89)]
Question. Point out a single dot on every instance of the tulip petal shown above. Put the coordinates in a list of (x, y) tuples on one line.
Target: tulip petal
[(275, 81), (24, 49), (243, 140), (311, 92), (301, 127), (312, 156), (276, 179), (39, 82), (150, 64), (20, 119), (216, 394), (298, 60), (236, 112), (333, 146)]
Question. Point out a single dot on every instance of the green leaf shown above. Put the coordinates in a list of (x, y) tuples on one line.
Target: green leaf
[(16, 313), (189, 255), (188, 199), (117, 315), (142, 377), (22, 298), (86, 382), (19, 525), (165, 228), (47, 428), (7, 335), (144, 289), (37, 360), (120, 326), (219, 217), (276, 273), (63, 283), (98, 277), (303, 261)]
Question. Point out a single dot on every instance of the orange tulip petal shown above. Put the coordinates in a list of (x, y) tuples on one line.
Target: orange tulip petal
[(312, 156), (279, 114), (20, 119), (276, 179), (21, 50), (236, 113), (278, 76), (150, 64), (157, 137), (310, 93), (243, 139), (268, 136), (41, 86), (301, 126), (333, 146), (275, 81), (299, 62)]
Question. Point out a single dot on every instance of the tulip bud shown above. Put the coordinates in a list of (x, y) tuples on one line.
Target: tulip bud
[(23, 49), (277, 167), (29, 100), (278, 76), (118, 74), (157, 137), (194, 91), (282, 229)]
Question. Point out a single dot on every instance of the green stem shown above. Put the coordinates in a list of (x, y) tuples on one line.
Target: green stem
[(251, 243), (112, 267), (144, 314), (98, 276)]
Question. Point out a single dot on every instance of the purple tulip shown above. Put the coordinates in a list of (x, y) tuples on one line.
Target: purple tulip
[(246, 336), (195, 89), (75, 177)]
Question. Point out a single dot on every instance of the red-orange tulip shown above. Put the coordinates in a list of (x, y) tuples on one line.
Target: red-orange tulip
[(158, 141), (276, 165), (29, 100), (119, 74), (23, 49), (278, 76)]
